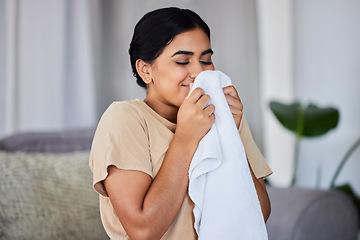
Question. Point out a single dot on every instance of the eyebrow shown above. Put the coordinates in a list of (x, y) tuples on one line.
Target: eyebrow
[(182, 52)]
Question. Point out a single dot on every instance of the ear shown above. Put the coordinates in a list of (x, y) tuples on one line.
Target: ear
[(143, 71)]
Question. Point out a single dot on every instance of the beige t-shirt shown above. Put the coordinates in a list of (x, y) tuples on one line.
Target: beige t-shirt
[(131, 135)]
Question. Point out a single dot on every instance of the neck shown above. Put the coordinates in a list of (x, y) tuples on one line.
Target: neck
[(167, 111)]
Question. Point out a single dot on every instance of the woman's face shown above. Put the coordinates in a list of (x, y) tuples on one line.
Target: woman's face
[(177, 66)]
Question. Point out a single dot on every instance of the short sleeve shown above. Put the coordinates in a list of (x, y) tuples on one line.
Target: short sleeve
[(121, 139), (256, 159)]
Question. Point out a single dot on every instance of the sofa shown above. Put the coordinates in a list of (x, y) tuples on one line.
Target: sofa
[(46, 193)]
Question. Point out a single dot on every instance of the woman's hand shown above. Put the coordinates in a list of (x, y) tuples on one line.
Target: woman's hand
[(194, 118), (236, 107)]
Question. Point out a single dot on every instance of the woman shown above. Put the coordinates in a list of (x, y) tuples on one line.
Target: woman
[(142, 150)]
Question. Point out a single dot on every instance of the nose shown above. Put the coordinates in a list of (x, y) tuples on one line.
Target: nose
[(196, 68)]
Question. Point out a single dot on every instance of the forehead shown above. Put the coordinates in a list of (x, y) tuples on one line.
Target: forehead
[(194, 40)]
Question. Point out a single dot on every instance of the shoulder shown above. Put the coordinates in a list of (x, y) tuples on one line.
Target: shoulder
[(121, 118), (123, 111), (117, 108)]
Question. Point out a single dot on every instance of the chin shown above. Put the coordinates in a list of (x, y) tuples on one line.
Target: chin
[(181, 99)]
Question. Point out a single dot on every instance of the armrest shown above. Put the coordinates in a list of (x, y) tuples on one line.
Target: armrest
[(304, 214)]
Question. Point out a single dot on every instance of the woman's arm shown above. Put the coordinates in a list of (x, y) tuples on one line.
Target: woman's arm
[(146, 207), (262, 195)]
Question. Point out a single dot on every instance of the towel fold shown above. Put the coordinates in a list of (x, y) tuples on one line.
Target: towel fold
[(220, 182)]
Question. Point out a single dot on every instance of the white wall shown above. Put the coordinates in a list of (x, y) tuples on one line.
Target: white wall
[(327, 72)]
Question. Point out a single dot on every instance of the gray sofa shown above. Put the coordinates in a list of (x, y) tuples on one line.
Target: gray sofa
[(46, 193)]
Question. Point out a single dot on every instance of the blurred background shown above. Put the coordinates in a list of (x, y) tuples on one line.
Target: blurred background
[(62, 62)]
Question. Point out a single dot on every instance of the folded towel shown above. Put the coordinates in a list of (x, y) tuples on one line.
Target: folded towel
[(220, 182)]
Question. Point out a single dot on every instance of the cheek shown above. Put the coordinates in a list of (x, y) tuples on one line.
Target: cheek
[(176, 74), (172, 73), (180, 77)]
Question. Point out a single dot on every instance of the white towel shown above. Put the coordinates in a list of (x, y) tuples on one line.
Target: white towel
[(220, 182)]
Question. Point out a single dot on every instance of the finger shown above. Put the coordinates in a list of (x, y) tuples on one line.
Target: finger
[(235, 110), (237, 115), (236, 102), (209, 110), (230, 90), (203, 101), (212, 118), (195, 95)]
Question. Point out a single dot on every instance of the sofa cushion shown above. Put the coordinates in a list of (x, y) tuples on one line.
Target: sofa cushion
[(55, 141), (48, 196)]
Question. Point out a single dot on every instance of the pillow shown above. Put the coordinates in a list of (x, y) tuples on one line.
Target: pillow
[(48, 196)]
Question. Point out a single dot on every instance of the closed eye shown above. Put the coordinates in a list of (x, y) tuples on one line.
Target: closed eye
[(182, 63), (202, 62), (206, 63)]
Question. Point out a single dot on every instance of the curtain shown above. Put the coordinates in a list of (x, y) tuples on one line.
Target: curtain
[(47, 74)]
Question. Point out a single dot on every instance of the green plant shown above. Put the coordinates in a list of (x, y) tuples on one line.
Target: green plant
[(346, 188), (309, 121), (343, 161)]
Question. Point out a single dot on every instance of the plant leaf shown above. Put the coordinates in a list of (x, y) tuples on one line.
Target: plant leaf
[(319, 121), (315, 121), (286, 114)]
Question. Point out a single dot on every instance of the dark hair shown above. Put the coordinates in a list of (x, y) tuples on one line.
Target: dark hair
[(156, 30)]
